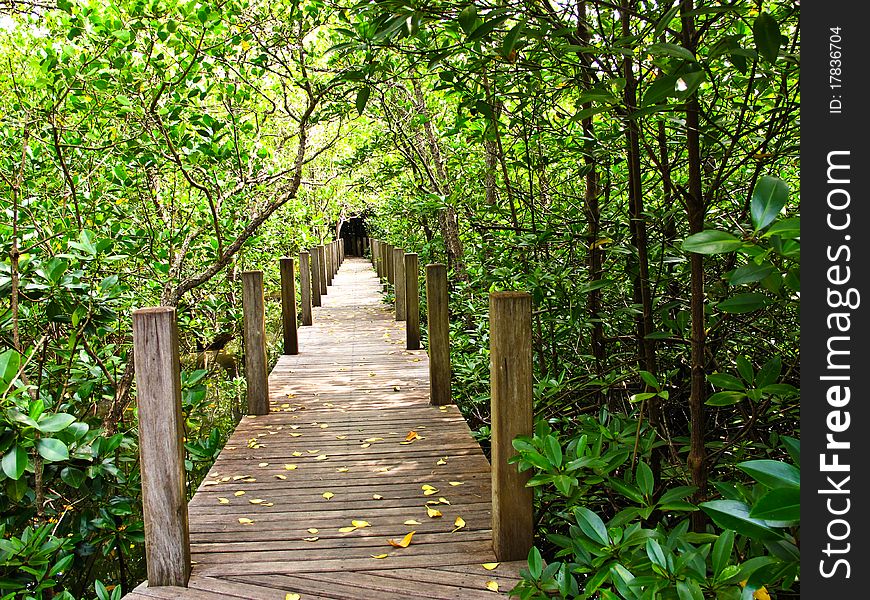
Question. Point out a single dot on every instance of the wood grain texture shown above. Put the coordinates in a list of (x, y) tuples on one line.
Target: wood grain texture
[(399, 277), (316, 277), (437, 319), (342, 413), (330, 263), (287, 268), (161, 450), (305, 286), (412, 301), (510, 320), (256, 361), (321, 253)]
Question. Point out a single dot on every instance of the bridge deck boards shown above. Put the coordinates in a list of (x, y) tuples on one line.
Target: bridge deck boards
[(342, 413)]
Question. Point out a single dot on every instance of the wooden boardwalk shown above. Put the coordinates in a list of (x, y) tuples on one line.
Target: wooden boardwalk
[(304, 500)]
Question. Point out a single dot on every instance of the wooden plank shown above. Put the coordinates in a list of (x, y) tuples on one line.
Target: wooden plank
[(256, 365), (288, 305), (439, 334), (510, 319), (305, 287), (161, 452)]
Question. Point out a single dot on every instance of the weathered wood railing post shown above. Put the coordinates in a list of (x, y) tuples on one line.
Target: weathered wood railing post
[(437, 319), (341, 250), (399, 278), (316, 274), (288, 305), (375, 262), (412, 302), (321, 254), (330, 260), (256, 363), (510, 320), (390, 264), (161, 446), (305, 286)]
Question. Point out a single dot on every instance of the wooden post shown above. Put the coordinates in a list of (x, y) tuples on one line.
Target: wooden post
[(510, 334), (161, 446), (327, 249), (437, 318), (305, 285), (288, 305), (388, 261), (321, 252), (412, 302), (316, 275), (341, 250), (399, 278), (256, 362)]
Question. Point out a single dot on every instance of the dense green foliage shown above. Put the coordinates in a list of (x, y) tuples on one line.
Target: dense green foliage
[(633, 166)]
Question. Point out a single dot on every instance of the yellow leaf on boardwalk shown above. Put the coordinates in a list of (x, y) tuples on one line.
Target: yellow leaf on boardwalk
[(377, 497), (223, 501), (310, 539), (297, 453), (341, 437), (256, 500), (245, 521), (366, 445), (292, 596), (295, 435), (412, 522), (327, 495), (441, 461), (455, 483), (281, 476), (412, 435), (290, 467), (459, 524), (490, 566), (379, 555), (321, 457), (313, 530), (239, 493), (342, 469), (263, 464), (432, 512), (346, 529), (443, 501), (492, 586), (405, 541), (360, 524), (371, 440)]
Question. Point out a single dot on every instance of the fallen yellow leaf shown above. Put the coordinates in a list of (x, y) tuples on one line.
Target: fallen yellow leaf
[(245, 521), (297, 453), (342, 469), (290, 467), (256, 500), (268, 504), (295, 434), (377, 497), (412, 522), (360, 524), (455, 483), (263, 464), (292, 596), (412, 435), (490, 566), (443, 501), (295, 426), (492, 586), (281, 476), (379, 555), (341, 437), (327, 495), (313, 530), (405, 541), (441, 461), (373, 439), (366, 445), (310, 539), (321, 457), (313, 451), (432, 512), (239, 493), (459, 523), (346, 529)]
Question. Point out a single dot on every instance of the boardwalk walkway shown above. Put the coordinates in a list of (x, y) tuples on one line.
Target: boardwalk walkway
[(304, 500)]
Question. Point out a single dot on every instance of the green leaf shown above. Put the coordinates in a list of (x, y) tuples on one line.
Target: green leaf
[(765, 31), (362, 98), (744, 367), (725, 398), (711, 241), (781, 504), (726, 381), (645, 479), (53, 423), (769, 372), (536, 563), (629, 491), (772, 473), (592, 525), (650, 379), (750, 273), (656, 554), (486, 28), (689, 590), (467, 17), (731, 514), (768, 199), (14, 462), (671, 50), (785, 228), (553, 450), (511, 38), (722, 550), (743, 303), (52, 449), (72, 477), (660, 89), (10, 361)]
